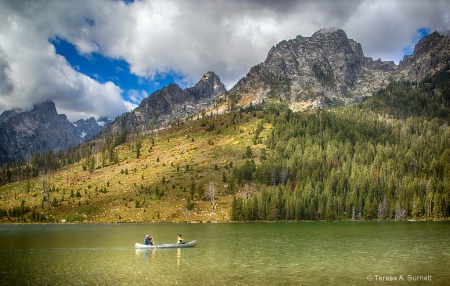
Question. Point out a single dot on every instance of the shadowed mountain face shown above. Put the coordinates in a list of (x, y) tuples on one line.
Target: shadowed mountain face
[(24, 133)]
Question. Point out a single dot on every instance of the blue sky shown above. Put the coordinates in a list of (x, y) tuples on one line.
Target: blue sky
[(104, 69), (101, 58), (420, 33)]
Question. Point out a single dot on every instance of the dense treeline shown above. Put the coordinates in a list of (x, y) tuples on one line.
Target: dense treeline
[(352, 163)]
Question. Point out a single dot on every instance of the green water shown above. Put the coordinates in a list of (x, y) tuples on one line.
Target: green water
[(367, 253)]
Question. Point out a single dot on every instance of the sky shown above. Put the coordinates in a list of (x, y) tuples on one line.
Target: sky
[(103, 57)]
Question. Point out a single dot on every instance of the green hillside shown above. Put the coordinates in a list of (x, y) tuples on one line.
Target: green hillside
[(385, 158), (166, 176)]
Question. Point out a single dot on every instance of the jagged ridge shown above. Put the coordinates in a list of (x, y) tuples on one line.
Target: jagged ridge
[(325, 69), (41, 129), (169, 105), (328, 68)]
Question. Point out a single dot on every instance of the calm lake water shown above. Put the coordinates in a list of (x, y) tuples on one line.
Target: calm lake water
[(366, 253)]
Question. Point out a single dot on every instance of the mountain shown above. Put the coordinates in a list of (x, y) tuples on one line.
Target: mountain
[(329, 69), (386, 157), (90, 127), (41, 129), (430, 55), (25, 133), (169, 105), (326, 69)]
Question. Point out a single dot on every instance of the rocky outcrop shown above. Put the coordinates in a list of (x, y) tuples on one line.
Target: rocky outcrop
[(41, 129), (430, 54), (328, 68), (325, 65), (379, 65), (169, 105)]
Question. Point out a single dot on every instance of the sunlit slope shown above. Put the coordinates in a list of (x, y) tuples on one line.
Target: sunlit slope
[(174, 178)]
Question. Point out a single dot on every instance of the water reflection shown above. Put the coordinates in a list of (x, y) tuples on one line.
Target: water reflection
[(151, 254), (178, 256), (146, 253)]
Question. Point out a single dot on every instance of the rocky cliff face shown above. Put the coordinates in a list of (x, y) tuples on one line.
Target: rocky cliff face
[(430, 54), (169, 105), (24, 133), (328, 68), (306, 69)]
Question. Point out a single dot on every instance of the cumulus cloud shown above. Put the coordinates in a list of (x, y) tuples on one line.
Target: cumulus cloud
[(32, 72), (187, 38), (6, 85), (385, 28)]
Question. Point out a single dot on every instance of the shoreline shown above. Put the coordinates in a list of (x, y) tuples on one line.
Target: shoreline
[(222, 222)]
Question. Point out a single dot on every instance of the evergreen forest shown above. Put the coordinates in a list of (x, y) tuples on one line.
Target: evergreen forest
[(386, 158)]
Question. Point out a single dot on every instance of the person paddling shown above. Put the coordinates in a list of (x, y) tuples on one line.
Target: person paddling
[(180, 239), (148, 240)]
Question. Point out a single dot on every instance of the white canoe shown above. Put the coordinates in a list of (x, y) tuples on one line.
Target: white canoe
[(167, 245)]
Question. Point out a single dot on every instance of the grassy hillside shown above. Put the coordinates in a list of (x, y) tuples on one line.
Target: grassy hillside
[(172, 180)]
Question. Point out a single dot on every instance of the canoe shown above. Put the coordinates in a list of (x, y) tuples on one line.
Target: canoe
[(167, 245)]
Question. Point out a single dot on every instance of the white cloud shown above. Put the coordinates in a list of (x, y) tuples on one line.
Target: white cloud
[(229, 37), (186, 37), (385, 28), (136, 96), (32, 72)]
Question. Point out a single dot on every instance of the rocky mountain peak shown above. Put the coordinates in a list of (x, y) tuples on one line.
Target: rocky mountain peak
[(430, 54), (331, 32), (38, 130), (41, 129), (428, 42), (329, 68), (325, 65), (170, 104), (47, 107), (208, 86), (208, 75)]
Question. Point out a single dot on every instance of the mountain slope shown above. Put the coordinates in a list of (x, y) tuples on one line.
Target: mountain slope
[(328, 68), (42, 129), (169, 105), (263, 162)]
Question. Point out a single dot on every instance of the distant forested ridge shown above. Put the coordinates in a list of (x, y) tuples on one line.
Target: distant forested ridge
[(386, 158)]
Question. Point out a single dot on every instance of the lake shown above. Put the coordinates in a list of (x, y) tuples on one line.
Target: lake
[(303, 253)]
